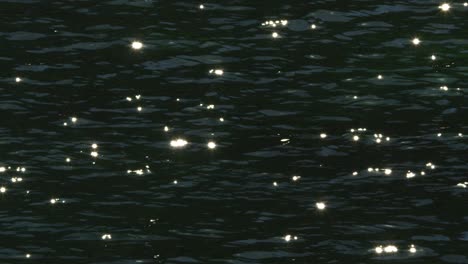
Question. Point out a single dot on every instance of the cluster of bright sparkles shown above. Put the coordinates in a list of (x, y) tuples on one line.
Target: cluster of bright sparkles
[(386, 249), (288, 238), (218, 72), (275, 23), (137, 97), (146, 170), (379, 137), (13, 179), (356, 135), (388, 171), (56, 200), (94, 152), (389, 249), (280, 23)]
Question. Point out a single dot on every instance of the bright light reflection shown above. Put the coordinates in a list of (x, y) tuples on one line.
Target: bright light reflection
[(137, 45), (320, 205), (445, 7), (211, 145), (178, 143)]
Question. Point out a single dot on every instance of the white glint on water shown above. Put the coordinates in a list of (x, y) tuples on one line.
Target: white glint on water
[(136, 45), (410, 174), (178, 143), (445, 7), (211, 145), (320, 205)]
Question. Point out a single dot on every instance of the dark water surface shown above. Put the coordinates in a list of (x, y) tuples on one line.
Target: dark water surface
[(141, 200)]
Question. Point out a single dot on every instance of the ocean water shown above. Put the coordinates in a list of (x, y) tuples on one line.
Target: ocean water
[(233, 131)]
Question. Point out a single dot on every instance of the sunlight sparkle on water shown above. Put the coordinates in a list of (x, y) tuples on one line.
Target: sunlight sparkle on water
[(410, 174), (387, 249), (211, 145), (379, 250), (106, 236), (272, 23), (136, 45), (16, 179), (94, 154), (288, 238), (429, 164), (295, 178), (178, 143), (218, 72), (2, 189), (433, 57), (274, 35), (320, 205), (412, 249), (355, 137), (416, 41), (323, 135), (445, 7), (201, 6), (313, 26), (18, 79), (94, 146), (388, 171), (390, 249)]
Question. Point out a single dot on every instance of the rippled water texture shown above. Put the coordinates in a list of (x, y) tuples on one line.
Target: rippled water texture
[(233, 132)]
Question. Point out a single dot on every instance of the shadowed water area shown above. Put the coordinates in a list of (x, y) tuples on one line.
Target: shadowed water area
[(334, 137)]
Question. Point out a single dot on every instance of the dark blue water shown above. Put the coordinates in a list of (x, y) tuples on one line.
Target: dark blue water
[(334, 138)]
